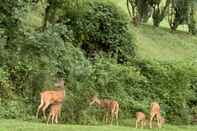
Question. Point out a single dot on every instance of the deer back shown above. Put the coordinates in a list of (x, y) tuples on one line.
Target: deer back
[(155, 108), (55, 109), (109, 104), (53, 96), (140, 116)]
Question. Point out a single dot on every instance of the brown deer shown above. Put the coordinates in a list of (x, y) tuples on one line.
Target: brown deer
[(51, 97), (155, 112), (140, 118), (111, 108), (162, 121), (55, 111)]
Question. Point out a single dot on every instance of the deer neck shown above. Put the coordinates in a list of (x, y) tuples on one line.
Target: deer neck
[(61, 89), (98, 103), (101, 103)]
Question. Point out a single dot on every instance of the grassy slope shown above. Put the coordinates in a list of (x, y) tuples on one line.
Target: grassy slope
[(160, 44), (15, 125)]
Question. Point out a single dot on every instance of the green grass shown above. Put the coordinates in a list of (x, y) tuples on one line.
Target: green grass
[(162, 45), (17, 125)]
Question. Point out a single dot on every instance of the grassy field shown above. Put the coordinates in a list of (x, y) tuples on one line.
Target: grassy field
[(160, 44), (17, 125)]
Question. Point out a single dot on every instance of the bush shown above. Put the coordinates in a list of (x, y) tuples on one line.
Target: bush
[(108, 80), (5, 85), (37, 59), (102, 27), (170, 84)]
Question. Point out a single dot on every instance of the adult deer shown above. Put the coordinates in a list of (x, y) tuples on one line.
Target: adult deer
[(155, 112), (55, 111), (140, 118), (50, 97), (111, 108)]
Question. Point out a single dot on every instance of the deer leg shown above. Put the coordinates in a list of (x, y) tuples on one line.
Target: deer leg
[(136, 122), (49, 118), (112, 117), (151, 119), (142, 124), (106, 117), (56, 118), (44, 108), (116, 117), (53, 117), (39, 107), (158, 122)]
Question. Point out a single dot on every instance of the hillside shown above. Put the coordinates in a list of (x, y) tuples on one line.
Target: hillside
[(162, 45)]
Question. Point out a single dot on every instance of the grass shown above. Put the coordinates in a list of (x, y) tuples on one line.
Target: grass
[(17, 125), (162, 45)]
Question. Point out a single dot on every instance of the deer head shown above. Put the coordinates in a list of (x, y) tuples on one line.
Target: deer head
[(60, 83), (93, 100), (162, 120)]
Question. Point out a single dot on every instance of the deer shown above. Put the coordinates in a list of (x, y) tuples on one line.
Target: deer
[(111, 108), (55, 111), (140, 118), (155, 112), (50, 97), (162, 121)]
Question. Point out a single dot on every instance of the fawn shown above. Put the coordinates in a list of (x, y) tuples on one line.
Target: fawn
[(140, 118), (55, 111)]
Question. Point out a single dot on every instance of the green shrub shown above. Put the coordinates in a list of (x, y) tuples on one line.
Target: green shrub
[(170, 84), (103, 27), (12, 109), (5, 85)]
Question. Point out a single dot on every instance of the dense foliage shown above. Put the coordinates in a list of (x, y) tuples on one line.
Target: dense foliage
[(103, 28)]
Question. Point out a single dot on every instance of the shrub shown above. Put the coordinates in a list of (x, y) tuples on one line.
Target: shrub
[(5, 85), (170, 84), (102, 27)]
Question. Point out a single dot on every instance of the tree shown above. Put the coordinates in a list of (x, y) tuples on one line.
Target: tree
[(144, 9), (159, 12), (140, 9), (182, 12), (10, 17), (52, 7)]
